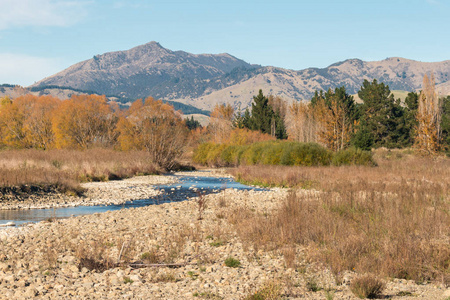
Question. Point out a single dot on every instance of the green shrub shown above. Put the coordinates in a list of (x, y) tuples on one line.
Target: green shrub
[(232, 262), (286, 153), (353, 156)]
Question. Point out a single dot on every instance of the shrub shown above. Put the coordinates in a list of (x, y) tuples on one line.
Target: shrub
[(271, 290), (353, 156), (232, 262), (367, 286), (263, 153)]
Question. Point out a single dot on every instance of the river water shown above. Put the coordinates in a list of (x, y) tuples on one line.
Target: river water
[(185, 188)]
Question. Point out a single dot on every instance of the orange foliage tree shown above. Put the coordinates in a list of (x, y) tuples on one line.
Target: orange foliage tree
[(26, 121), (83, 122), (153, 126)]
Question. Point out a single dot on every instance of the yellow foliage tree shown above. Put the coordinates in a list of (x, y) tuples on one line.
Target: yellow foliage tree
[(301, 122), (220, 124), (336, 127), (429, 116)]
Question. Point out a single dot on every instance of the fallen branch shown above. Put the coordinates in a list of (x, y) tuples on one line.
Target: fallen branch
[(141, 265)]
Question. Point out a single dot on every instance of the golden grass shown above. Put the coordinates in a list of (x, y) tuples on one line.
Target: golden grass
[(392, 220), (63, 170)]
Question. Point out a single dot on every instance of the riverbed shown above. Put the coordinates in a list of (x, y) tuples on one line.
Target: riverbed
[(130, 193)]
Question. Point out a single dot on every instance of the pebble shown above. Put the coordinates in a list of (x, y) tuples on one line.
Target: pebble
[(46, 255)]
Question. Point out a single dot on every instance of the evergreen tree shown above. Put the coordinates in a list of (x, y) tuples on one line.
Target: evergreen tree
[(262, 114), (445, 123), (192, 124), (409, 120), (238, 118), (379, 125)]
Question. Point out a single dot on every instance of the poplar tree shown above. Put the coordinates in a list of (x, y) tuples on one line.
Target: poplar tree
[(429, 116)]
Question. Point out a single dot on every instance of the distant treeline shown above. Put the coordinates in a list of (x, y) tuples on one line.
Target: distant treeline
[(334, 120)]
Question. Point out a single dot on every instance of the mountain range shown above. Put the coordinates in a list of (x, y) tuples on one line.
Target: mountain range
[(202, 80)]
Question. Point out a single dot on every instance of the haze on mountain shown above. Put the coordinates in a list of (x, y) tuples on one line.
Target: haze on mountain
[(202, 80)]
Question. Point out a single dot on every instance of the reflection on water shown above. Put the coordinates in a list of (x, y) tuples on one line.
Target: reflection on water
[(188, 186)]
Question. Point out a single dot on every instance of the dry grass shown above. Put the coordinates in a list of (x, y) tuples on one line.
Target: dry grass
[(392, 220), (367, 286), (63, 170)]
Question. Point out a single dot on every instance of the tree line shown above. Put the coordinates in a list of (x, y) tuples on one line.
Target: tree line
[(335, 120), (88, 121), (332, 118)]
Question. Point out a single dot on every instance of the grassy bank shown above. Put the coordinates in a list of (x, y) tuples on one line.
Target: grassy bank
[(392, 220), (24, 171)]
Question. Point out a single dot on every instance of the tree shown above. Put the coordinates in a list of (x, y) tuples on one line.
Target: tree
[(336, 112), (84, 121), (445, 123), (380, 114), (192, 124), (262, 113), (429, 114), (155, 127), (263, 117), (409, 120), (221, 122), (301, 122)]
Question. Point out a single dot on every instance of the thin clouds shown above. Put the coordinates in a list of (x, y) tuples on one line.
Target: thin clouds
[(135, 4), (22, 13), (24, 69), (433, 2)]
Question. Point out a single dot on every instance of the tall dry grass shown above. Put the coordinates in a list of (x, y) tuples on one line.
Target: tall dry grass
[(392, 220), (63, 170)]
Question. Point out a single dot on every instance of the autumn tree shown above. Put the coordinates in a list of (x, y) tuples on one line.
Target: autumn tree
[(155, 127), (221, 122), (429, 114), (84, 121), (336, 113), (301, 122), (11, 124)]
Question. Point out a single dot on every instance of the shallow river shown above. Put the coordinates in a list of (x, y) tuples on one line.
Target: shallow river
[(188, 186)]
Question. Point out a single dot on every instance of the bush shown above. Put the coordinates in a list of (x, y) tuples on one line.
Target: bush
[(263, 153), (271, 290), (353, 156), (367, 286), (232, 262)]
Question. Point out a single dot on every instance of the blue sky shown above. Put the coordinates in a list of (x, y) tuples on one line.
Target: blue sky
[(41, 37)]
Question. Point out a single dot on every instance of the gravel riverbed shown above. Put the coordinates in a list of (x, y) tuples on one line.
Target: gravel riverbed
[(55, 260)]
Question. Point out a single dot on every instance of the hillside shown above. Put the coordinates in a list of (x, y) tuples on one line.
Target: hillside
[(202, 80), (146, 70)]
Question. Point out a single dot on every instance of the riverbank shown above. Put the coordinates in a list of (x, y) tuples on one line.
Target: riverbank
[(96, 193), (76, 257)]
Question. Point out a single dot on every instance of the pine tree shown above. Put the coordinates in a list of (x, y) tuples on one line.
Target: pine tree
[(380, 113), (262, 114)]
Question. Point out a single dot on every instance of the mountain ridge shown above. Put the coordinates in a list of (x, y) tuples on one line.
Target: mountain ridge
[(203, 80)]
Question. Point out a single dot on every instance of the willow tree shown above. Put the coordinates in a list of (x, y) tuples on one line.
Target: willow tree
[(155, 127), (429, 114)]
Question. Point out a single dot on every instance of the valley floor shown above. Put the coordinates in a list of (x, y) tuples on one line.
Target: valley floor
[(75, 257)]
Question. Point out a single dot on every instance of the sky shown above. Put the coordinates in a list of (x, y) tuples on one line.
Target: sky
[(41, 37)]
